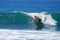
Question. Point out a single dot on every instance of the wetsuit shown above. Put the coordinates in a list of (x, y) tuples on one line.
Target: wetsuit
[(39, 24)]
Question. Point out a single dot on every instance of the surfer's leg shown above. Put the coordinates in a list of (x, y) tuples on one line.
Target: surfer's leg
[(39, 27)]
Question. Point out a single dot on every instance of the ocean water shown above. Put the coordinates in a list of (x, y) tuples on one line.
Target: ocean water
[(14, 21), (20, 26), (51, 6), (17, 19)]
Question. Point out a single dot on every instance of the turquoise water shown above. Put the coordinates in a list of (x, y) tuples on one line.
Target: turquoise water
[(57, 18), (14, 18), (14, 21)]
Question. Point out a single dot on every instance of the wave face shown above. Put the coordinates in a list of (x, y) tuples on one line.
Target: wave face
[(14, 20), (24, 20)]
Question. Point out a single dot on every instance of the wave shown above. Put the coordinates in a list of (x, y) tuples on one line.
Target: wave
[(25, 18)]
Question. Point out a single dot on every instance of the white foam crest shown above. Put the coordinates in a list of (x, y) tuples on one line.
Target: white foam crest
[(46, 18)]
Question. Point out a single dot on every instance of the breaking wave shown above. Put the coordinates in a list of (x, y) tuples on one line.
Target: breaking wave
[(47, 20), (25, 20)]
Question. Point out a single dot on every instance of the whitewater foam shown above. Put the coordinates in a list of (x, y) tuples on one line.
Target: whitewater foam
[(6, 34)]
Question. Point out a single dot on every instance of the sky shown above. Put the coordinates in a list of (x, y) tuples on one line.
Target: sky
[(52, 6)]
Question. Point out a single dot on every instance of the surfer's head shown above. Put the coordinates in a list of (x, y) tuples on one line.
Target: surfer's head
[(36, 17)]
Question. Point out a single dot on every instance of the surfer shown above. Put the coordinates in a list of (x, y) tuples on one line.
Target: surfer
[(38, 22)]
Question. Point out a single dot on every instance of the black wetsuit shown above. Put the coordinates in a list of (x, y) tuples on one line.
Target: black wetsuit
[(39, 24)]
